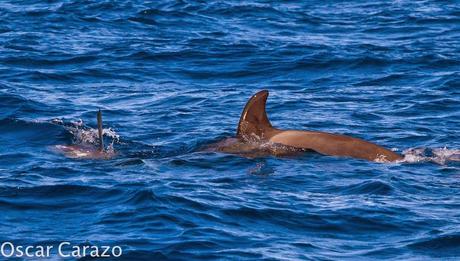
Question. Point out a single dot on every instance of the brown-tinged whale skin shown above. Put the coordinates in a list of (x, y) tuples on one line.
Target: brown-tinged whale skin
[(254, 127)]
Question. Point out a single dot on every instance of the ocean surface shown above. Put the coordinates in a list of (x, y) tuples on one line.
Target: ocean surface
[(172, 77)]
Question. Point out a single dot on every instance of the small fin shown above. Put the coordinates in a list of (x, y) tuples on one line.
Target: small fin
[(99, 129), (254, 120)]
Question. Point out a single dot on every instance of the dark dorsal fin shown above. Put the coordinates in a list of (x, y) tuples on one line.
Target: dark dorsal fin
[(99, 129), (254, 120)]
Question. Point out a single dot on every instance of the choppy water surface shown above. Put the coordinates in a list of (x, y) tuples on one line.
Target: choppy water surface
[(173, 76)]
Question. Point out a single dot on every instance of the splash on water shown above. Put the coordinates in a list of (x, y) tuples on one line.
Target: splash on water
[(83, 134), (85, 141), (440, 156)]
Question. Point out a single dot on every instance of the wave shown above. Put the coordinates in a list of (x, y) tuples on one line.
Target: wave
[(368, 187), (445, 245)]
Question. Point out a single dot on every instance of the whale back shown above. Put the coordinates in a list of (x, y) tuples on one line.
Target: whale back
[(254, 127), (254, 123)]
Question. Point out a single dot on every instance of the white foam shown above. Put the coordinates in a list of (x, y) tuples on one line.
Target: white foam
[(90, 136), (440, 156)]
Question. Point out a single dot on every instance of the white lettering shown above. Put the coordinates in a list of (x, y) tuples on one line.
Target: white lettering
[(40, 251), (20, 252), (106, 249), (11, 248), (48, 250), (94, 251), (84, 251), (119, 250), (28, 248), (60, 249), (76, 251), (65, 249)]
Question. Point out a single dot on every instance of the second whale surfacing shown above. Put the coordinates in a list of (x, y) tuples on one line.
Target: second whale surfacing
[(257, 137), (88, 151)]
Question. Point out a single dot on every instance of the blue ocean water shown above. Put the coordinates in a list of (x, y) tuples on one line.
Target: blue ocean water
[(173, 76)]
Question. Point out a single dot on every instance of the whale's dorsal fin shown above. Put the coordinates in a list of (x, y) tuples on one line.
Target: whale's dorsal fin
[(254, 122), (99, 130)]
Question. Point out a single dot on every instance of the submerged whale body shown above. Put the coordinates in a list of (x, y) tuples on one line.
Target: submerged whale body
[(257, 137)]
